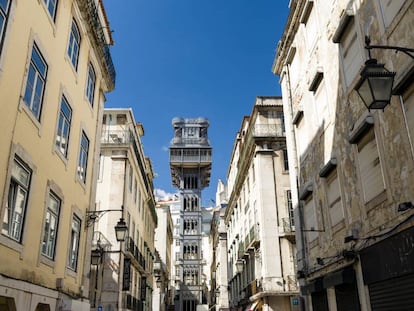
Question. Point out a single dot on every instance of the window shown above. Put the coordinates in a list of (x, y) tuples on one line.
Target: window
[(352, 58), (4, 16), (17, 200), (83, 158), (285, 160), (135, 190), (290, 207), (90, 84), (309, 18), (336, 212), (74, 44), (74, 243), (65, 118), (51, 7), (370, 166), (389, 9), (310, 222), (35, 84), (51, 226)]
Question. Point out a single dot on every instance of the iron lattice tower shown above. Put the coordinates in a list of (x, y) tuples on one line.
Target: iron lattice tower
[(190, 163)]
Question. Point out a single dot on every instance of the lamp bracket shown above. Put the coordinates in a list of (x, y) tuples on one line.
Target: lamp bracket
[(93, 216), (369, 47)]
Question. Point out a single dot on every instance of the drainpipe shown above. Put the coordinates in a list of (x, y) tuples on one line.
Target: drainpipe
[(406, 125)]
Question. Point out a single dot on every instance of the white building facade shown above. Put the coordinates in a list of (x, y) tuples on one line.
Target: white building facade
[(123, 277), (259, 220), (351, 167)]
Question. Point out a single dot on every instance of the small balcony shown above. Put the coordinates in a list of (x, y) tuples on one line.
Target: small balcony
[(288, 229), (117, 137), (135, 253), (268, 130)]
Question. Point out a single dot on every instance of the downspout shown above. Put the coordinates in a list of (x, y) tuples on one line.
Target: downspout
[(295, 166), (406, 125)]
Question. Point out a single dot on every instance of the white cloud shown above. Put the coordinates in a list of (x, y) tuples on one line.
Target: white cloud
[(164, 148), (163, 195)]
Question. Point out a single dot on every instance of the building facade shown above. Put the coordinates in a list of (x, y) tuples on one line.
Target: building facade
[(162, 267), (219, 297), (351, 167), (122, 279), (190, 163), (55, 68), (258, 218)]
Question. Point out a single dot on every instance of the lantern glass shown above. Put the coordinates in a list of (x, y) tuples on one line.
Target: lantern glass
[(96, 256), (121, 230), (375, 85), (239, 266)]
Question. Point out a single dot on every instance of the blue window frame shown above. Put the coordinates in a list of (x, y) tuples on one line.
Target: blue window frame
[(63, 131), (74, 44), (35, 84)]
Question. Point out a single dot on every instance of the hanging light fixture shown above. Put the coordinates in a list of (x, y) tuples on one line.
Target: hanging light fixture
[(121, 230), (375, 85)]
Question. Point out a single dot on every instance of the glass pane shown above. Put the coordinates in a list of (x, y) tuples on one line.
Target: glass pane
[(21, 174), (40, 64), (4, 4)]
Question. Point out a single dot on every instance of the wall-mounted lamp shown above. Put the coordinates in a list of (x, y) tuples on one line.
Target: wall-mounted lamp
[(376, 82), (121, 229), (240, 265)]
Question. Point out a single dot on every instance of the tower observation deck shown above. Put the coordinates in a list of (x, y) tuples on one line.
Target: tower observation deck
[(190, 163)]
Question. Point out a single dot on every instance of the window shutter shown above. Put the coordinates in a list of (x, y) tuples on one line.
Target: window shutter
[(370, 167)]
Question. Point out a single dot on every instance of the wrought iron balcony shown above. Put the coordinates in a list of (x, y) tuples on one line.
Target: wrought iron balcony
[(90, 14), (132, 248)]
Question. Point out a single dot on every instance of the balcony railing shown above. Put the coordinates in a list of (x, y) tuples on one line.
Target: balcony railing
[(132, 303), (190, 141), (287, 226), (268, 130), (134, 251), (116, 137), (190, 156), (90, 12)]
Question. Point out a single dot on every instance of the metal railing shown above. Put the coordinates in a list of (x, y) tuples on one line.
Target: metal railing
[(287, 226)]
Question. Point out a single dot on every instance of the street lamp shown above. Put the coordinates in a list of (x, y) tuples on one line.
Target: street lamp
[(239, 265), (376, 82), (121, 230)]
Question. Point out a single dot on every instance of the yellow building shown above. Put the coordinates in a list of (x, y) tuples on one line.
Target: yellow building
[(55, 67)]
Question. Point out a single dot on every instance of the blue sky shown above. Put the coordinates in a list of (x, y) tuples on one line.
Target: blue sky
[(193, 58)]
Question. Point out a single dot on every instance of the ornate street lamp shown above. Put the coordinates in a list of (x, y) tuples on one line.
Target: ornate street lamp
[(121, 230), (375, 85), (376, 82), (239, 266)]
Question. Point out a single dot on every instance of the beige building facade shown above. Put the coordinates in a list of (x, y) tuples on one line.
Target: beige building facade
[(123, 277), (55, 68), (351, 167), (258, 219), (162, 296)]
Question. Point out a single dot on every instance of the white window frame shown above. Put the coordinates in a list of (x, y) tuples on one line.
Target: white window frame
[(310, 220), (64, 125), (51, 6), (74, 44), (51, 226), (19, 189), (83, 157), (36, 76), (90, 84), (73, 253), (4, 19)]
